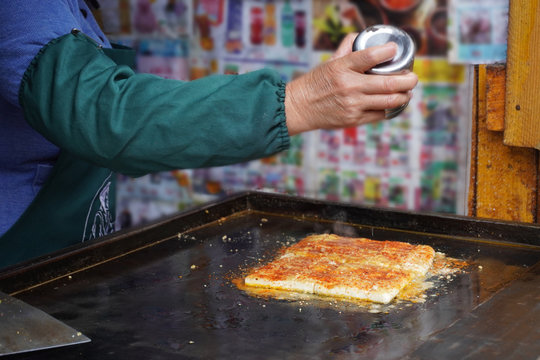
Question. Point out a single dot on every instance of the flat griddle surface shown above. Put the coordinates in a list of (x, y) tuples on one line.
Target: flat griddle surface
[(176, 298)]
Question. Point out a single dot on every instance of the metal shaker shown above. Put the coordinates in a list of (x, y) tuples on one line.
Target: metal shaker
[(401, 63)]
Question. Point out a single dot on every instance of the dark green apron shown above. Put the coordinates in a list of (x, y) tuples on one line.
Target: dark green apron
[(76, 204)]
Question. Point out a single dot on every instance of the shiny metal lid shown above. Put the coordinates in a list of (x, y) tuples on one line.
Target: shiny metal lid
[(382, 34)]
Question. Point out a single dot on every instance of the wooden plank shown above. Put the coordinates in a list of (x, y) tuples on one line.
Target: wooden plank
[(504, 177), (522, 121), (495, 96)]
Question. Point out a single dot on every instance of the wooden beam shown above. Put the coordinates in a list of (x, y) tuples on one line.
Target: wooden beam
[(522, 121), (503, 178)]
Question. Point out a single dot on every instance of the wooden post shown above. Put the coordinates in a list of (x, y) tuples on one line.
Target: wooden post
[(504, 179), (505, 167)]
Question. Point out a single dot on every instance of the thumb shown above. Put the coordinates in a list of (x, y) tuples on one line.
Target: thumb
[(345, 47), (363, 60)]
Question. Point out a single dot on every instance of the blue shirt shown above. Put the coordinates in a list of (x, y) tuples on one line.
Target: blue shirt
[(26, 157)]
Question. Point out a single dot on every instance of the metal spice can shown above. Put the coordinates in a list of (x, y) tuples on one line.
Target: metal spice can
[(401, 63)]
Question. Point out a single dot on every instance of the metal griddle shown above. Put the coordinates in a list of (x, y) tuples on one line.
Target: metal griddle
[(166, 290)]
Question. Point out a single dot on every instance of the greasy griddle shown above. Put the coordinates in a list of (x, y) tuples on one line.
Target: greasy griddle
[(166, 290)]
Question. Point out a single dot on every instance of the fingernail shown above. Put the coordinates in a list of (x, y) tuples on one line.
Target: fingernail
[(388, 51), (391, 44)]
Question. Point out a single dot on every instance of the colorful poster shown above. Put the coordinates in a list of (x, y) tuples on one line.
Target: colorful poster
[(168, 18), (424, 20), (164, 57), (478, 31), (267, 34)]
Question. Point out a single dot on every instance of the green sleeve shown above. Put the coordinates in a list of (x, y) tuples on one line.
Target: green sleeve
[(86, 104)]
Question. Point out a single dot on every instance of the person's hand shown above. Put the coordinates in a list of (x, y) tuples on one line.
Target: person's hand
[(339, 94)]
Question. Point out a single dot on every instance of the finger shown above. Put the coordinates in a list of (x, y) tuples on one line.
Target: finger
[(383, 102), (345, 47), (388, 84), (372, 116), (363, 60)]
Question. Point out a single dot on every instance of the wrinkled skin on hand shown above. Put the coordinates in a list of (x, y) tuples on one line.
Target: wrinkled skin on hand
[(339, 94)]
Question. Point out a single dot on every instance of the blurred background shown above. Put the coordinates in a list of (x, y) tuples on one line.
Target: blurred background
[(417, 161)]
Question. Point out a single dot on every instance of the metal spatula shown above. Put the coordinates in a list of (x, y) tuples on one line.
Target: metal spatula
[(25, 328)]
